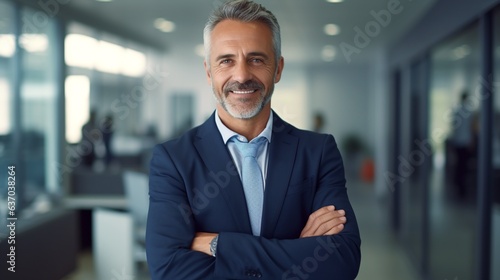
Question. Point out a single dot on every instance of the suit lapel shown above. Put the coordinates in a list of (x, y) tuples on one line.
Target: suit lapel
[(217, 158), (282, 151)]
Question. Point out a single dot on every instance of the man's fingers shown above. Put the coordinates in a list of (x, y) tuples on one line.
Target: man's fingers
[(325, 220), (326, 226), (316, 214), (321, 211), (335, 230)]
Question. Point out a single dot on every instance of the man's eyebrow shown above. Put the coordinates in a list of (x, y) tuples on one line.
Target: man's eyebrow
[(224, 56), (251, 54), (265, 56)]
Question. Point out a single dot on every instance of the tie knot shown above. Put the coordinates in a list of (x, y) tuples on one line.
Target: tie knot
[(248, 149)]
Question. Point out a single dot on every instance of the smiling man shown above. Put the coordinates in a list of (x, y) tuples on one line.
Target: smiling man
[(246, 195)]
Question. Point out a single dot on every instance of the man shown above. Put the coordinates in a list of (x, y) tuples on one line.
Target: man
[(217, 213)]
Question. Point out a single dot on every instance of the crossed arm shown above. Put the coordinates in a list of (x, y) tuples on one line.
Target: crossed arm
[(324, 221)]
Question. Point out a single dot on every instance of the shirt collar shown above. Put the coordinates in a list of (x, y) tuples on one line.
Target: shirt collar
[(227, 133)]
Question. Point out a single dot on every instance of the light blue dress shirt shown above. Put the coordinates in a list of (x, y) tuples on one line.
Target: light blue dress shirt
[(262, 153)]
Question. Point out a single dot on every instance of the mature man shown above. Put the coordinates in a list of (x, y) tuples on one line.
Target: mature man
[(246, 195)]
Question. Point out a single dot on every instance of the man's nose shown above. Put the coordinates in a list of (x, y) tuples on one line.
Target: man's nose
[(242, 73)]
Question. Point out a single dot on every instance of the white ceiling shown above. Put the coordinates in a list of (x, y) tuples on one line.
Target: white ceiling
[(301, 21)]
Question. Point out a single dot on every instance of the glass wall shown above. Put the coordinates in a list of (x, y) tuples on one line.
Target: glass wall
[(413, 163), (496, 151), (453, 129), (7, 106), (28, 107), (39, 95)]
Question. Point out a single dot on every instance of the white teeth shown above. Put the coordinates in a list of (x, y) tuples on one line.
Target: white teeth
[(243, 91)]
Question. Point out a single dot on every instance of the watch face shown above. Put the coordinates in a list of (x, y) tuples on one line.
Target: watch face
[(213, 245)]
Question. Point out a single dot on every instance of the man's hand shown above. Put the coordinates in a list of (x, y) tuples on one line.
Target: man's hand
[(201, 242), (324, 221)]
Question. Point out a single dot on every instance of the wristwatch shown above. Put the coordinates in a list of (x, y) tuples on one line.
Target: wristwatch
[(213, 245)]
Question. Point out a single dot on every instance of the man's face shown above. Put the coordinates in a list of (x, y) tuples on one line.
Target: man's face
[(242, 68)]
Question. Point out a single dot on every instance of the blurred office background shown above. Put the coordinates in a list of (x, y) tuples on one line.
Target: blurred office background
[(385, 77)]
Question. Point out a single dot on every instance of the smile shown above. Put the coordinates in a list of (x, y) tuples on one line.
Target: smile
[(243, 91)]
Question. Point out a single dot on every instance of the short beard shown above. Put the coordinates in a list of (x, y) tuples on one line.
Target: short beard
[(232, 110)]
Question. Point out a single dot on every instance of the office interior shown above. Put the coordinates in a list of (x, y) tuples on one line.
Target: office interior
[(385, 77)]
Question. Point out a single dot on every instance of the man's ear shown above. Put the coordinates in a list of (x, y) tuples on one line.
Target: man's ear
[(279, 70), (207, 72)]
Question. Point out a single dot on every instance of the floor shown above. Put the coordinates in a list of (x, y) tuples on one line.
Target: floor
[(382, 256)]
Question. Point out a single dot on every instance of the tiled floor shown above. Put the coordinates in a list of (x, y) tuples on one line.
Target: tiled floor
[(382, 257)]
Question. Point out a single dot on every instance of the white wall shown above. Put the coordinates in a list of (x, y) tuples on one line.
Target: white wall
[(341, 93), (290, 100), (355, 98)]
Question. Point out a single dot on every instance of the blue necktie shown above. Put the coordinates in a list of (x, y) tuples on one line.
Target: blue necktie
[(251, 177)]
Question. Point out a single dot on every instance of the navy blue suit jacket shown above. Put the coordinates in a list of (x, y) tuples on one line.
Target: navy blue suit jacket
[(195, 187)]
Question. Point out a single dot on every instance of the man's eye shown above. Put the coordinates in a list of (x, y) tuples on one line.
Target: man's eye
[(257, 60), (225, 61)]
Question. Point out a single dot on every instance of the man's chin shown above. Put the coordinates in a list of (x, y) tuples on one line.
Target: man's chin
[(243, 114)]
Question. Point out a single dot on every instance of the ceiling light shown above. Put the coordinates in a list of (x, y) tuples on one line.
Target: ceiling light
[(334, 1), (331, 29), (164, 25), (104, 0), (328, 53), (460, 52)]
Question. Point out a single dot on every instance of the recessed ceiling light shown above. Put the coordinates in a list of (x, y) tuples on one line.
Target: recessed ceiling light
[(331, 29), (334, 1), (460, 52), (164, 25), (104, 0), (328, 53)]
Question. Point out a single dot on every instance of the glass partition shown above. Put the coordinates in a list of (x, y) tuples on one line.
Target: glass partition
[(496, 151), (453, 129), (39, 94), (7, 105)]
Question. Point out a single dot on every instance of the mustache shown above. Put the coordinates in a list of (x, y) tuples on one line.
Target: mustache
[(248, 85)]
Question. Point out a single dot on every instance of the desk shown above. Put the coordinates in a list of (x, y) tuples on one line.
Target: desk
[(89, 202)]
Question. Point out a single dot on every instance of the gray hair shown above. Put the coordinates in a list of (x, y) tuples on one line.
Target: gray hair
[(245, 11)]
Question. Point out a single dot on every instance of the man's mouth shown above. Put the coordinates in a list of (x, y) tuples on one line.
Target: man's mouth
[(243, 91)]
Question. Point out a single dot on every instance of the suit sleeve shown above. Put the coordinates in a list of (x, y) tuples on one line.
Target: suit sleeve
[(170, 227), (243, 256)]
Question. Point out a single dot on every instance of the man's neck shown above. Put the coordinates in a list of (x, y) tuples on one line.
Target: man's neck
[(250, 128)]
